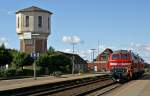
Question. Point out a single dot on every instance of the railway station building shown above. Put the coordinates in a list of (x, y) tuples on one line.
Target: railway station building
[(101, 61)]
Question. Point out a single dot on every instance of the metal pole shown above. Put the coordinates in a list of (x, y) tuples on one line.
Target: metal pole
[(34, 53), (34, 64), (98, 51), (93, 59), (73, 59)]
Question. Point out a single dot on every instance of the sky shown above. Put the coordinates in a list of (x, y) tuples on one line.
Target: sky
[(98, 24)]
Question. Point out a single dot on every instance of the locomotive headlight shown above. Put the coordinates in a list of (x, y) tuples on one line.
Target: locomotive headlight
[(113, 63), (126, 63)]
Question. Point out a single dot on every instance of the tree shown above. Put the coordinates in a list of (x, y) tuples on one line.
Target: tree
[(51, 50), (146, 65), (28, 60), (2, 46), (55, 62), (59, 62), (43, 60), (5, 56), (20, 59)]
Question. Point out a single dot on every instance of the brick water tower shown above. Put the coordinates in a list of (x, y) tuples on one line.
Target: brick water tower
[(33, 26)]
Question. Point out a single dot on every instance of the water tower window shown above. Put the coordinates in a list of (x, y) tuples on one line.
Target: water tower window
[(40, 21), (27, 21), (48, 22), (18, 22)]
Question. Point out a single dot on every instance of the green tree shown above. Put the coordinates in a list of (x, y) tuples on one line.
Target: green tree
[(55, 62), (28, 60), (5, 56), (146, 65), (2, 46), (59, 62), (20, 59), (51, 50), (43, 60)]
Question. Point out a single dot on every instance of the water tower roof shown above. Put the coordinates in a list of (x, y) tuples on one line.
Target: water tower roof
[(33, 9)]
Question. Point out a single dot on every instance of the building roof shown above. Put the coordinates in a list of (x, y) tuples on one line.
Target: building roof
[(78, 59), (106, 52), (33, 9)]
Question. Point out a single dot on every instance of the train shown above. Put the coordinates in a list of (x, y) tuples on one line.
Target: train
[(125, 65)]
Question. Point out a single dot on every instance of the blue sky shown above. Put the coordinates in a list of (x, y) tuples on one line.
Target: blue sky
[(118, 24)]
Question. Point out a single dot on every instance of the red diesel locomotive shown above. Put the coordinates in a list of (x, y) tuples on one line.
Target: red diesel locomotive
[(125, 65)]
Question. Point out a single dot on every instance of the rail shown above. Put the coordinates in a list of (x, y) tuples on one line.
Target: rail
[(75, 86)]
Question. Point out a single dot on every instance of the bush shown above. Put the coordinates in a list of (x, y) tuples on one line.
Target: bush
[(1, 73), (10, 72), (19, 72), (40, 70), (28, 72)]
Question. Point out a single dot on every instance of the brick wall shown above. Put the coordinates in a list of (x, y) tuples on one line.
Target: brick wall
[(27, 45)]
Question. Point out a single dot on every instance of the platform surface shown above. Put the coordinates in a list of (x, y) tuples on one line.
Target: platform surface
[(140, 87), (27, 82)]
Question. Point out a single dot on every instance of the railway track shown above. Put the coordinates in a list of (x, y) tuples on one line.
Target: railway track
[(78, 88), (75, 87), (108, 89)]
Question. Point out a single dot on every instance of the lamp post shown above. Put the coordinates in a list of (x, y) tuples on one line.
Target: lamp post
[(93, 59), (72, 40), (29, 36), (73, 58), (34, 54)]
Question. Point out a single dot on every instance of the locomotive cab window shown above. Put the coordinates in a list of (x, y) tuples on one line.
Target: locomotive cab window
[(115, 56), (125, 56)]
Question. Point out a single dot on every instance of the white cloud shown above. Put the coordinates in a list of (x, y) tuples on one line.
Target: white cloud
[(142, 49), (10, 12), (67, 50), (4, 41), (7, 12), (71, 39), (86, 54)]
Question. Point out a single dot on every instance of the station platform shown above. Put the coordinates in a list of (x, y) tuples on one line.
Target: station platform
[(29, 82)]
